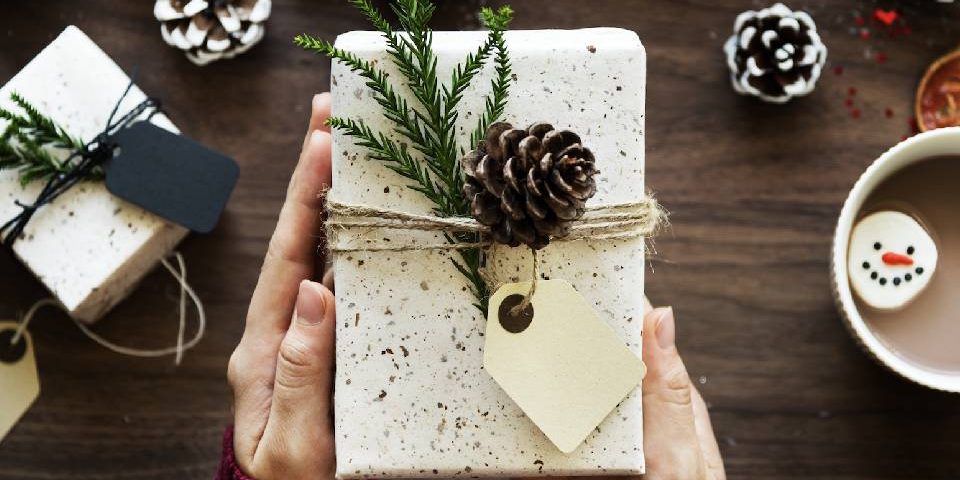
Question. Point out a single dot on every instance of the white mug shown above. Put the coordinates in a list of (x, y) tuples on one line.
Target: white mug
[(940, 142)]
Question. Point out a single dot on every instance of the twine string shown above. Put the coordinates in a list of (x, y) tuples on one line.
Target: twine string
[(93, 154), (181, 346), (615, 221), (528, 298)]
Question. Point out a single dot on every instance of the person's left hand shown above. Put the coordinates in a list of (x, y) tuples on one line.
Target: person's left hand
[(282, 370)]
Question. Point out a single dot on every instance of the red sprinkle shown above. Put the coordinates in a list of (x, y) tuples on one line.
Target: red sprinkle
[(855, 113), (865, 34), (889, 113), (848, 102), (852, 91), (886, 17), (859, 20), (881, 58), (838, 70)]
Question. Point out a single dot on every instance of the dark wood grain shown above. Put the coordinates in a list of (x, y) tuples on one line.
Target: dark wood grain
[(754, 191)]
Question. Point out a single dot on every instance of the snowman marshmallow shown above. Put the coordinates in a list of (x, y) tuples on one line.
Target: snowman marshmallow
[(890, 260)]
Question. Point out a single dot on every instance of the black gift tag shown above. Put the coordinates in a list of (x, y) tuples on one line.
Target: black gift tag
[(171, 175)]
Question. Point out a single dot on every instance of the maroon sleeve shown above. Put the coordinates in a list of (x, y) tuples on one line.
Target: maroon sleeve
[(228, 469)]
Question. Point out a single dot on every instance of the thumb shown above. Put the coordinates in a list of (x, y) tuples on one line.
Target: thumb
[(670, 435), (300, 416)]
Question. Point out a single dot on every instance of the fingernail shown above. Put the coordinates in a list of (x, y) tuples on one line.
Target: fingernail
[(315, 138), (666, 328), (311, 304), (315, 103)]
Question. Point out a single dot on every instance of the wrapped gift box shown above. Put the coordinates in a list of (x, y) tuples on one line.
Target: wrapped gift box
[(88, 247), (412, 399)]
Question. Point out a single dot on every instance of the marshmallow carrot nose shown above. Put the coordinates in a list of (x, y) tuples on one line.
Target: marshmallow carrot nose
[(891, 258)]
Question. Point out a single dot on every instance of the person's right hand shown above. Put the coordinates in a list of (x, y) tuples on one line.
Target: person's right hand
[(678, 441)]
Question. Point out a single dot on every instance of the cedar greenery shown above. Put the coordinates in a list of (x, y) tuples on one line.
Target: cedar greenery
[(433, 167), (30, 141)]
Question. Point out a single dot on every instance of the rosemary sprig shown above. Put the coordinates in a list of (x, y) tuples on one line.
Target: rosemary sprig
[(434, 165), (29, 143)]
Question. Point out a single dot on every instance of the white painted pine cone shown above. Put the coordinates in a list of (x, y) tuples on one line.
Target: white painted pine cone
[(775, 54), (209, 30)]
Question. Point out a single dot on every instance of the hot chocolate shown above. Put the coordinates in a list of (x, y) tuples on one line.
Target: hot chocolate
[(926, 331)]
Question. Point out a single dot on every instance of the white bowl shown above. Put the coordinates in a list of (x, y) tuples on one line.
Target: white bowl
[(944, 141)]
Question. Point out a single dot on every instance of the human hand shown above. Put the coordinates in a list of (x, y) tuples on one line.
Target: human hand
[(678, 441), (282, 370)]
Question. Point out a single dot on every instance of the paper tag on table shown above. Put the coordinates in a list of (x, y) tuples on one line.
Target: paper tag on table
[(19, 381), (562, 364)]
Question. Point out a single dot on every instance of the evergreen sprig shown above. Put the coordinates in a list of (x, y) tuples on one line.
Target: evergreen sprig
[(433, 166), (500, 85), (30, 140)]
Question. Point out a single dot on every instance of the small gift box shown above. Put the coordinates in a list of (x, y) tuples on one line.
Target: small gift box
[(413, 398), (88, 247)]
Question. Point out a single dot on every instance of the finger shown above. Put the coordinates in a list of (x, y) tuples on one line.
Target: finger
[(290, 256), (647, 307), (299, 424), (708, 439), (319, 113), (670, 437), (328, 281), (318, 121), (253, 365)]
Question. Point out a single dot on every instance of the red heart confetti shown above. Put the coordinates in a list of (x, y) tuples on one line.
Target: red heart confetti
[(886, 17)]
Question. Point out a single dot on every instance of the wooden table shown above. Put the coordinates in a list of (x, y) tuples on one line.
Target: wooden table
[(754, 191)]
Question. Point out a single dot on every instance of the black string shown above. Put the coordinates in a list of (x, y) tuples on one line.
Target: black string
[(90, 156)]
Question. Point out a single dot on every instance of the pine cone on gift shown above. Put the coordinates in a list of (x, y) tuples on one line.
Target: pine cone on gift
[(208, 30), (528, 185), (775, 54)]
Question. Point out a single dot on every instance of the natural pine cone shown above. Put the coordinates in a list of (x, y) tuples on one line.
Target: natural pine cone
[(528, 185), (209, 30), (775, 54)]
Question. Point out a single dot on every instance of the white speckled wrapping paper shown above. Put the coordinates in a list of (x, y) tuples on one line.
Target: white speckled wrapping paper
[(88, 247), (412, 399)]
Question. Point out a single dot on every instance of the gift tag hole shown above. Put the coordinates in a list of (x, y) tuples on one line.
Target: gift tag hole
[(514, 322), (11, 353)]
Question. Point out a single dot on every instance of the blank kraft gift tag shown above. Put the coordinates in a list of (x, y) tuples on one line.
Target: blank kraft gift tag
[(19, 381), (171, 175), (562, 364)]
